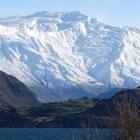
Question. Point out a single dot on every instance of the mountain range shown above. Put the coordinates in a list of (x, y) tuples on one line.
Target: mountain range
[(60, 55)]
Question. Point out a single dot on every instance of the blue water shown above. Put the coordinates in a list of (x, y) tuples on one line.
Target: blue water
[(55, 134)]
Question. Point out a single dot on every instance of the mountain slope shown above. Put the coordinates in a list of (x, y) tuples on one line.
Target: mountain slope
[(14, 93), (67, 55)]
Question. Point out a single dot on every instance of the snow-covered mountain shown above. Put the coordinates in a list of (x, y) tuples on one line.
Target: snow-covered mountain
[(68, 55)]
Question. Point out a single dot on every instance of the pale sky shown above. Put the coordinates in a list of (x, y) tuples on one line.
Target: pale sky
[(114, 12)]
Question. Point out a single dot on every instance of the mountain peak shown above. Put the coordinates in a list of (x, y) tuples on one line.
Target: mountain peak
[(64, 16), (96, 21), (45, 14), (73, 16)]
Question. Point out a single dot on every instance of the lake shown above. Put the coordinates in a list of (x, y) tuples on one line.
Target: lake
[(56, 134)]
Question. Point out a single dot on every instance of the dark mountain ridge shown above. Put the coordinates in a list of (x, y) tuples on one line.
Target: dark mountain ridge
[(15, 93)]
